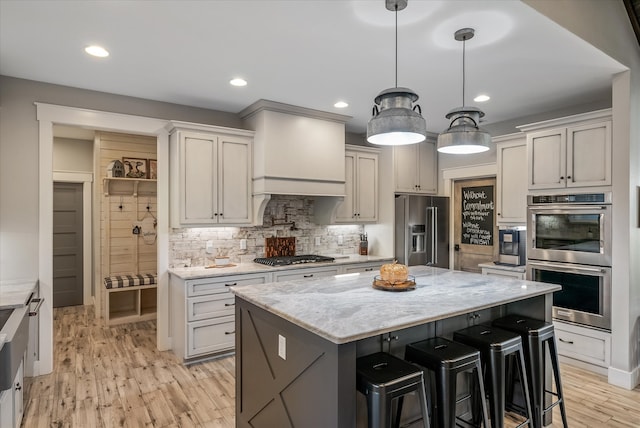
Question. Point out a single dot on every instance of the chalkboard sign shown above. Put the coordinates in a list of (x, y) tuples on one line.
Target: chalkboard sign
[(477, 215)]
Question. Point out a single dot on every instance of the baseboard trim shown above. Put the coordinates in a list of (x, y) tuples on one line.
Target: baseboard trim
[(624, 379)]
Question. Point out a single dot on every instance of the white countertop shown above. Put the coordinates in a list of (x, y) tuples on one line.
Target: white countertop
[(520, 269), (244, 268), (16, 293), (347, 308)]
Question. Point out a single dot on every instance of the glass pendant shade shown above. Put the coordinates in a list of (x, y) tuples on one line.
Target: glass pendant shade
[(464, 136), (395, 121)]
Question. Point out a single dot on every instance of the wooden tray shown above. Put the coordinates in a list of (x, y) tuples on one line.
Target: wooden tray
[(409, 284), (219, 266)]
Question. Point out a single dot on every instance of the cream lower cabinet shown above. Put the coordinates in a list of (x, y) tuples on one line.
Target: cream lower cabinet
[(511, 185), (12, 401), (415, 168), (361, 182), (570, 152), (583, 346), (203, 314), (210, 182)]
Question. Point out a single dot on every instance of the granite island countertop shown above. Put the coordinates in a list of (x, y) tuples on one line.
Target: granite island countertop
[(16, 293), (246, 268), (346, 308)]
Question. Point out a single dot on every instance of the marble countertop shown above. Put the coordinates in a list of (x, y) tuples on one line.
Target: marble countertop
[(508, 268), (244, 268), (346, 308), (16, 293)]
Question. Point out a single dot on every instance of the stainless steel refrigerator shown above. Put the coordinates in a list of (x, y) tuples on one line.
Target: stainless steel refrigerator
[(422, 230)]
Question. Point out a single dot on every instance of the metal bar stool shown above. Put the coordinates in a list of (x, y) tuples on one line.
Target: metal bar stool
[(381, 377), (537, 336), (447, 359), (495, 345)]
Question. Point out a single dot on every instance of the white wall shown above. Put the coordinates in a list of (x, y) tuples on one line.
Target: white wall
[(72, 155)]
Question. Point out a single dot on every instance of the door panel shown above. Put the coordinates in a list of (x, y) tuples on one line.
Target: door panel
[(475, 247), (67, 244)]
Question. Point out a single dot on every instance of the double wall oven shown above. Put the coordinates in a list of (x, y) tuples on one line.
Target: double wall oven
[(569, 243)]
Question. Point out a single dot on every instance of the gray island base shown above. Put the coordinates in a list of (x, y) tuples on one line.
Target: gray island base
[(297, 341)]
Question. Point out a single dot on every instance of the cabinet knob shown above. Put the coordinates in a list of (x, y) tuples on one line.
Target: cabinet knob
[(215, 214), (561, 178), (568, 177), (18, 386), (498, 213)]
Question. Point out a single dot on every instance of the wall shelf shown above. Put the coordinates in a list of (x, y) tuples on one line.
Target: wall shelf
[(129, 186)]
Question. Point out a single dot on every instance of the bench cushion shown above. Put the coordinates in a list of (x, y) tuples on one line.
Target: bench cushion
[(122, 281)]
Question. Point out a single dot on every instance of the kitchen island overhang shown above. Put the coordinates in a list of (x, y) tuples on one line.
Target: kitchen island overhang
[(297, 341)]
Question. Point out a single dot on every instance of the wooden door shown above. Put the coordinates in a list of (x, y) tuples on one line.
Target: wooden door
[(405, 168), (67, 244), (234, 180), (475, 230), (427, 167), (589, 155), (345, 212), (547, 151), (367, 187), (198, 164)]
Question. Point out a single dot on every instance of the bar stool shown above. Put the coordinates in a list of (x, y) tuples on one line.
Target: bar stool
[(495, 345), (381, 377), (447, 359), (537, 336)]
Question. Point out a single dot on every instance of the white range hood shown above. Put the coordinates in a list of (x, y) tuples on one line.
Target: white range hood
[(297, 151)]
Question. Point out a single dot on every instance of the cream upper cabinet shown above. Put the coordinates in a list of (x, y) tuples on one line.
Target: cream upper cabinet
[(361, 194), (416, 168), (576, 154), (511, 186), (210, 176)]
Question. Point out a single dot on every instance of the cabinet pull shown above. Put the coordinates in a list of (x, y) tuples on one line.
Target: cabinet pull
[(561, 178), (368, 269), (230, 304), (570, 342), (308, 276), (230, 332), (231, 285)]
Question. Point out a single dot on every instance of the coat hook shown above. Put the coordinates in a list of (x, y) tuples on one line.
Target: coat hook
[(148, 204), (120, 206)]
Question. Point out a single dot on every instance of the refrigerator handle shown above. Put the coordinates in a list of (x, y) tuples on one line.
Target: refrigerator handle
[(434, 234), (407, 244)]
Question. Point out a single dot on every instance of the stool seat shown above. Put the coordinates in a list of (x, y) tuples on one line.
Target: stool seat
[(495, 346), (381, 377), (446, 359), (537, 335)]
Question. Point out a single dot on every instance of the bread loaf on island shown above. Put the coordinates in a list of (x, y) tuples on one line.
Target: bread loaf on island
[(394, 273)]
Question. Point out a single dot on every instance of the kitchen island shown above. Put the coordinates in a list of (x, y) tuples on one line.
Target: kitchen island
[(297, 341)]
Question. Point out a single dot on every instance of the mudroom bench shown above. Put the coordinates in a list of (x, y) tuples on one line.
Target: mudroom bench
[(130, 298)]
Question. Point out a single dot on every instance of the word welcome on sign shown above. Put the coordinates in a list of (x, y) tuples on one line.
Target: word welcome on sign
[(477, 215)]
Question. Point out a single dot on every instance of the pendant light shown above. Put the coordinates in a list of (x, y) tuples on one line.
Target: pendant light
[(464, 135), (395, 120)]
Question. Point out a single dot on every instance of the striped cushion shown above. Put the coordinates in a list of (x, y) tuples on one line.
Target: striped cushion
[(122, 281)]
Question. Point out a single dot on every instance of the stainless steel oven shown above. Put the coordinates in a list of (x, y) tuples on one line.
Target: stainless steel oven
[(570, 228), (585, 297)]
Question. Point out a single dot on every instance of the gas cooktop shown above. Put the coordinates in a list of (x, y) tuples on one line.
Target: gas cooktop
[(292, 260)]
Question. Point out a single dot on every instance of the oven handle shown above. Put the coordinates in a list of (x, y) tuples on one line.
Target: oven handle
[(568, 207), (567, 269)]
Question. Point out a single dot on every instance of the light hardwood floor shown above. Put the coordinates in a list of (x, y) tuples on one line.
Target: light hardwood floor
[(115, 377)]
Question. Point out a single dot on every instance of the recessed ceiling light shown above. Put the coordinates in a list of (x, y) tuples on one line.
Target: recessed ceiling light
[(482, 98), (98, 51), (238, 82), (341, 104)]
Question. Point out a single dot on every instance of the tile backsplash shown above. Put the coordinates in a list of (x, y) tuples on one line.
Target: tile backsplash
[(187, 245)]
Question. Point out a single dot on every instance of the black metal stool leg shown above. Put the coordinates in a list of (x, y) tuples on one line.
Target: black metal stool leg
[(556, 374)]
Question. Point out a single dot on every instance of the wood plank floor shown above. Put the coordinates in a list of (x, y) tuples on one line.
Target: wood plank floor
[(115, 377)]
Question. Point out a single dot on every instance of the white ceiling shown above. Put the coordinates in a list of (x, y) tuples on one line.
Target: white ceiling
[(309, 53)]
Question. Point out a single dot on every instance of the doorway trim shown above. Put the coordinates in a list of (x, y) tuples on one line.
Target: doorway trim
[(86, 178), (48, 115), (450, 175)]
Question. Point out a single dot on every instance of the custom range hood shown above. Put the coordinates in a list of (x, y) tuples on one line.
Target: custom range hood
[(296, 151)]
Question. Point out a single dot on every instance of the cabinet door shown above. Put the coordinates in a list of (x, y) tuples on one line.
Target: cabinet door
[(427, 168), (198, 160), (6, 408), (589, 155), (547, 152), (234, 180), (512, 183), (345, 213), (367, 187), (405, 168)]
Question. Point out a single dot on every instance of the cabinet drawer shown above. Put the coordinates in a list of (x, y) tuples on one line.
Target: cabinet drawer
[(362, 268), (503, 273), (305, 273), (588, 348), (204, 286), (216, 305), (208, 336)]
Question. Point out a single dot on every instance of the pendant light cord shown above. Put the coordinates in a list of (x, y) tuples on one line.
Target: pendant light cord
[(464, 44), (396, 44)]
